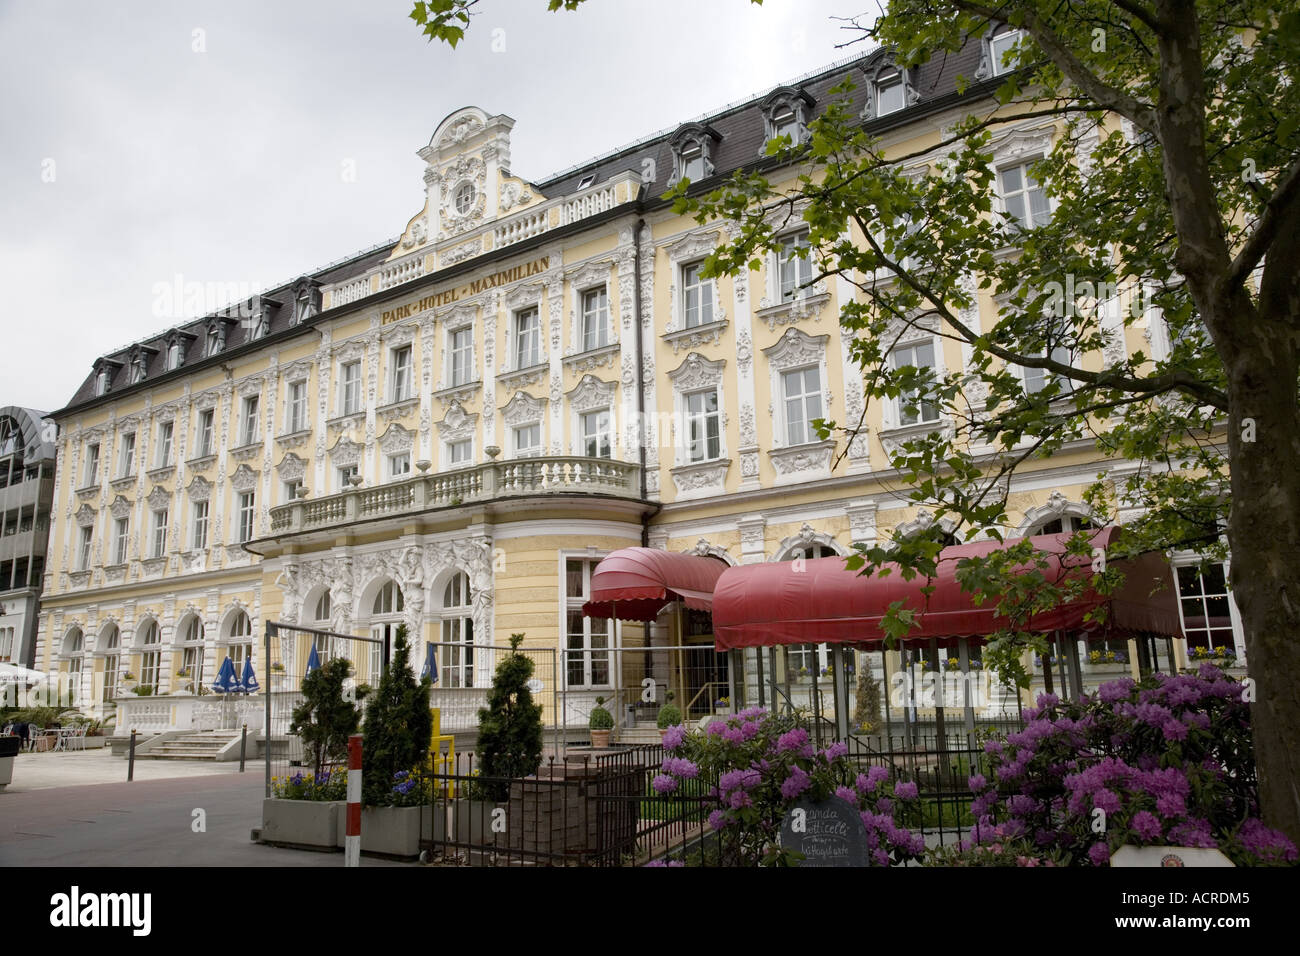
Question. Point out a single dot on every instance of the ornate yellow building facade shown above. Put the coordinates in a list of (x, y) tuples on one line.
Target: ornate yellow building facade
[(450, 431)]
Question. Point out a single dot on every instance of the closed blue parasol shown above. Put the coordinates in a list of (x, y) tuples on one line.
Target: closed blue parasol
[(248, 683), (226, 681), (313, 661), (430, 669)]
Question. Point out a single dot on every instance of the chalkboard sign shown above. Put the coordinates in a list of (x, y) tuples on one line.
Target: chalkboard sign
[(829, 833)]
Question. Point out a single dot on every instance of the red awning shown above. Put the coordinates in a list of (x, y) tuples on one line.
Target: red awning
[(634, 584), (759, 605)]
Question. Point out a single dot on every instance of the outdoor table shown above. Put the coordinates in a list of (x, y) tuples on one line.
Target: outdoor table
[(44, 740)]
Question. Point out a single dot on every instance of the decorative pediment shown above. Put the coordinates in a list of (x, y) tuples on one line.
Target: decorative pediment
[(291, 468), (530, 293), (590, 274), (296, 371), (697, 372), (901, 330), (523, 409), (166, 413), (694, 245), (207, 400), (460, 317), (200, 489), (244, 479), (120, 507), (397, 335), (796, 348), (591, 393), (159, 498), (457, 423), (85, 516), (397, 440), (251, 386), (345, 452), (1024, 143), (350, 350)]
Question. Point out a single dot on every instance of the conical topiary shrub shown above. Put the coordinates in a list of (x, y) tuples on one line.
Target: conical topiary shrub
[(398, 726), (866, 714), (510, 726)]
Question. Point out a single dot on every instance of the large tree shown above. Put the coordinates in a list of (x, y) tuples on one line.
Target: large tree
[(1175, 180)]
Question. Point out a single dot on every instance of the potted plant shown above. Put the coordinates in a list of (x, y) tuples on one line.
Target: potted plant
[(143, 690), (127, 682), (277, 675), (187, 687), (669, 715), (722, 705), (601, 723)]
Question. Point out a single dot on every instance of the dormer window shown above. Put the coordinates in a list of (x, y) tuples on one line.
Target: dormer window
[(889, 89), (692, 152), (1004, 39), (139, 369), (102, 379), (889, 92), (306, 301), (692, 163), (215, 340), (586, 181), (784, 123), (174, 355), (785, 114)]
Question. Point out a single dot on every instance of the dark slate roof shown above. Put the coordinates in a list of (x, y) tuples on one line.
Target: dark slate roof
[(742, 134)]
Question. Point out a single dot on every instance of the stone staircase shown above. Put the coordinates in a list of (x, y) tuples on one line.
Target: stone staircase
[(201, 745), (642, 732)]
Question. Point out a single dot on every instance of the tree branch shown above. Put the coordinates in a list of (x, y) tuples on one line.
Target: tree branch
[(1284, 196)]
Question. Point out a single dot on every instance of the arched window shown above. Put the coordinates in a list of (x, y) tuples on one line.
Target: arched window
[(239, 641), (322, 612), (1063, 524), (457, 634), (151, 655), (109, 645), (74, 649), (191, 669), (385, 619)]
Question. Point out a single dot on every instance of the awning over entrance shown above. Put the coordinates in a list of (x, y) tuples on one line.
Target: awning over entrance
[(759, 605), (634, 584)]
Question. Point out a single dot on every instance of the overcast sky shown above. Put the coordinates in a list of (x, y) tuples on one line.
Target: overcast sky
[(146, 142)]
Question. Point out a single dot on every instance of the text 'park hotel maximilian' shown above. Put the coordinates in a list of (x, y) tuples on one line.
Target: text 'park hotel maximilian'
[(444, 431)]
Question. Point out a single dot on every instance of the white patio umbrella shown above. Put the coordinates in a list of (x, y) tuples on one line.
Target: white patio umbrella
[(17, 674)]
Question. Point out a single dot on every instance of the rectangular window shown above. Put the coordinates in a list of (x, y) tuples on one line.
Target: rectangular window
[(703, 437), (6, 643), (401, 374), (120, 528), (796, 267), (460, 452), (291, 489), (205, 443), (149, 662), (351, 395), (399, 466), (92, 464), (595, 434), (248, 421), (911, 410), (192, 664), (1023, 198), (784, 123), (200, 532), (1204, 601), (110, 677), (692, 163), (126, 461), (159, 533), (246, 515), (528, 337), (587, 639), (802, 393), (297, 407), (528, 440), (83, 551), (1036, 379), (595, 319), (889, 93), (165, 444), (346, 474), (462, 356), (1000, 46), (697, 296)]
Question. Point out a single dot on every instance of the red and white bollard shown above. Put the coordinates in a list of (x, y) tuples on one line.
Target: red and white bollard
[(352, 838)]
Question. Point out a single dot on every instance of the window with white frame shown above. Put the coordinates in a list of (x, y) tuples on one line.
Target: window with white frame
[(691, 162), (385, 618), (74, 650), (346, 473), (1037, 379), (1063, 524), (83, 550), (213, 341), (247, 513), (109, 641), (1023, 199), (401, 374), (121, 537), (697, 296), (399, 466), (801, 394), (205, 433), (296, 407), (1004, 39), (248, 421), (460, 453), (240, 642), (92, 464), (527, 440), (199, 528), (126, 456), (464, 198), (139, 368), (703, 425), (461, 356), (595, 429), (795, 266), (595, 319), (889, 92), (291, 489), (6, 644), (350, 392), (159, 537), (528, 338), (174, 355), (587, 639), (910, 407), (783, 121), (192, 651), (165, 431), (457, 634), (151, 656), (1206, 607)]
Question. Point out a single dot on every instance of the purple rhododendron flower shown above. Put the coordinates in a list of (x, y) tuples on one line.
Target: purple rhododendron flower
[(1146, 826), (1106, 800), (740, 799), (718, 819), (835, 750), (673, 737), (1099, 854), (844, 793), (1174, 730), (796, 783), (792, 740), (978, 782), (663, 783), (681, 767), (1265, 844), (905, 790), (1171, 805)]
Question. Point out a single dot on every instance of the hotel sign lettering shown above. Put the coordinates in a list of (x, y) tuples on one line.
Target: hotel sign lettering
[(464, 291)]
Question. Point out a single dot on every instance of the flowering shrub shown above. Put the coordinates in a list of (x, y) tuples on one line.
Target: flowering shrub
[(325, 785), (1162, 762), (760, 765), (409, 790), (1202, 653)]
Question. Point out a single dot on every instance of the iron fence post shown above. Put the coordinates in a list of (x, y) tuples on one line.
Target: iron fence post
[(130, 761)]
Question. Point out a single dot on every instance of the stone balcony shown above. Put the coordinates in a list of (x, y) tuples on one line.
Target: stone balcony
[(525, 477)]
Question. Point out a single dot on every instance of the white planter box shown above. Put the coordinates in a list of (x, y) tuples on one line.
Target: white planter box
[(392, 831), (306, 823)]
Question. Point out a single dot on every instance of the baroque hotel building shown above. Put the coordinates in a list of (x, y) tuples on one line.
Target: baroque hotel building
[(446, 430)]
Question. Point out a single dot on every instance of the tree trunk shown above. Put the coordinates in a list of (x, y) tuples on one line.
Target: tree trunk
[(1264, 535)]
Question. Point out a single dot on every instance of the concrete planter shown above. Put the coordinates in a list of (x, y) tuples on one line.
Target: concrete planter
[(314, 824), (390, 831), (9, 747)]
